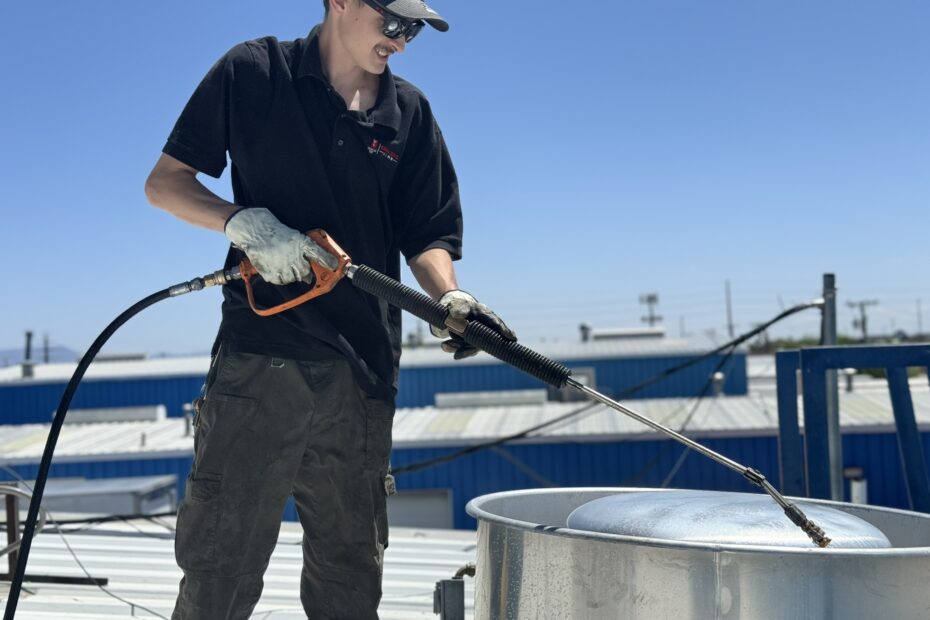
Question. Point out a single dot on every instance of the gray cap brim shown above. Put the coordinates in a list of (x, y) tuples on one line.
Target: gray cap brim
[(416, 9)]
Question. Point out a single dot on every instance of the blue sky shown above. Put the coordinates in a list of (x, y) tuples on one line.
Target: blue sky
[(604, 150)]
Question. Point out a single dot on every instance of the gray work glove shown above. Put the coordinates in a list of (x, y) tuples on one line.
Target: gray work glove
[(462, 305), (278, 252)]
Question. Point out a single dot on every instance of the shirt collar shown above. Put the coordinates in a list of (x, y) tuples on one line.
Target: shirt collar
[(386, 111)]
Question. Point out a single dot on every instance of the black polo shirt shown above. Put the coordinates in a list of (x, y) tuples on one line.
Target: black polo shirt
[(379, 181)]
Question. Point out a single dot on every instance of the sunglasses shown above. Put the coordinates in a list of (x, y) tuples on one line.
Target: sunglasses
[(395, 26)]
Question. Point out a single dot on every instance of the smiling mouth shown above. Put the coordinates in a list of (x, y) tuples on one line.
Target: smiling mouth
[(383, 52)]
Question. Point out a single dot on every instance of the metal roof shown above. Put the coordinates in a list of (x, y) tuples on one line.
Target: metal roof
[(571, 351), (429, 355), (138, 560), (860, 411), (161, 367)]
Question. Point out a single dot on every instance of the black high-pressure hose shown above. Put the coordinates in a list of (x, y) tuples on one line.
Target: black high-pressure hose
[(16, 584), (418, 304), (29, 528)]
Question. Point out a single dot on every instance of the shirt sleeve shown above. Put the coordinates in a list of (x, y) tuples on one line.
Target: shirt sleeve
[(427, 193), (200, 137)]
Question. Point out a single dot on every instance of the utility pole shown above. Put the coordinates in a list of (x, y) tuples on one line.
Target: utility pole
[(729, 312), (651, 300), (863, 321), (920, 319)]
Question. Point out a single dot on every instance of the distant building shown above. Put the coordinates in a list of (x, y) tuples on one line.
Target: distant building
[(614, 365)]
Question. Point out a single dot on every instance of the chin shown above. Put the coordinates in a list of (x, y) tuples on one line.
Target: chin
[(376, 67)]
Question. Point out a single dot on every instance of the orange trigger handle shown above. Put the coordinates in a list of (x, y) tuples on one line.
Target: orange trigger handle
[(323, 281)]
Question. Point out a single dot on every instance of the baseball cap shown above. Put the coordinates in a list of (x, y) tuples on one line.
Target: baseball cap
[(415, 9)]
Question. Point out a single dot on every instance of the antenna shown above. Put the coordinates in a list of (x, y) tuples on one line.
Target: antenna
[(729, 311)]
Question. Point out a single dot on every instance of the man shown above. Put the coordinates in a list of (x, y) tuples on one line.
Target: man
[(320, 134)]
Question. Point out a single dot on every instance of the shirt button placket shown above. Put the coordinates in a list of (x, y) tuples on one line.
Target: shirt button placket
[(338, 156)]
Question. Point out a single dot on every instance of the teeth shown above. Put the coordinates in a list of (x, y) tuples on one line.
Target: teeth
[(383, 52)]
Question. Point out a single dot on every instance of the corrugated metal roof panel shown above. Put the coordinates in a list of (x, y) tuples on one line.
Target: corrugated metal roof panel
[(431, 426), (412, 357), (138, 560), (160, 367)]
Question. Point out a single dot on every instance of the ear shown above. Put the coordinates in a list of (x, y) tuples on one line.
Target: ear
[(339, 6)]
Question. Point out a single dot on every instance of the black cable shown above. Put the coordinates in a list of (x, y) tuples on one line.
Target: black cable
[(406, 469), (110, 518), (29, 529), (633, 478), (689, 417), (731, 346)]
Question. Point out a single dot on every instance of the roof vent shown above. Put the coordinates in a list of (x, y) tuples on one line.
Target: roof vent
[(149, 413), (627, 333), (498, 398)]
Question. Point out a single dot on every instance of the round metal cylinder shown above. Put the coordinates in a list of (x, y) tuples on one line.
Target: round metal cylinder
[(531, 565)]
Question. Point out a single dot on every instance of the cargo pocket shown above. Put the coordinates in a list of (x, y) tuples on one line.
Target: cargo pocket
[(379, 421), (223, 433), (198, 517)]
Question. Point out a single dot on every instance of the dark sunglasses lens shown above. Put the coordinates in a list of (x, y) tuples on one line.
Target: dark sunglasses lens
[(414, 30), (393, 27)]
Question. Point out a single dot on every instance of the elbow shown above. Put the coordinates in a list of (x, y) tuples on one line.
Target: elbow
[(153, 188)]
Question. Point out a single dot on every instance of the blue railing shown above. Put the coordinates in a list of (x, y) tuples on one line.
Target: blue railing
[(815, 479)]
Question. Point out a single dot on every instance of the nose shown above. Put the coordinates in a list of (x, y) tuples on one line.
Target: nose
[(399, 44)]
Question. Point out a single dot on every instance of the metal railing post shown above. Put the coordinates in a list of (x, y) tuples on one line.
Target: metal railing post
[(790, 445), (12, 529), (832, 409), (909, 441)]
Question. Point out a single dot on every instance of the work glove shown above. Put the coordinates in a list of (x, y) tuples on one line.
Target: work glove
[(278, 252), (462, 305)]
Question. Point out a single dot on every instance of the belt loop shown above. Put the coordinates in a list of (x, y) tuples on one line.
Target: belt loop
[(277, 362)]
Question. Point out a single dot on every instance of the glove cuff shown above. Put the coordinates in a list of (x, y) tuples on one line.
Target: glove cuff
[(232, 215), (447, 298), (457, 295)]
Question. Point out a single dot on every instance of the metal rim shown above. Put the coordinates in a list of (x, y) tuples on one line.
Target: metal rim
[(475, 509)]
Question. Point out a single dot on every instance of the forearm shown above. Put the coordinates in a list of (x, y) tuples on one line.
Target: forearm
[(174, 187), (434, 272)]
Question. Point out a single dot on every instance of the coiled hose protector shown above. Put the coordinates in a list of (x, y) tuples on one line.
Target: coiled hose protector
[(477, 334), (529, 361), (396, 294)]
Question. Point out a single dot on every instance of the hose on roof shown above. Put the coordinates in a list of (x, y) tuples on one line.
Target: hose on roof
[(29, 528)]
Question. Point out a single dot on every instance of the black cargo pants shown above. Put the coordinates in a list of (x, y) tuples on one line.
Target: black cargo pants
[(269, 428)]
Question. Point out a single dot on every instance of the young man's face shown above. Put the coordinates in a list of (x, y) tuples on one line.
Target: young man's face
[(361, 31)]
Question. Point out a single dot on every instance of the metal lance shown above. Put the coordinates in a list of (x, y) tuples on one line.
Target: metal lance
[(554, 374)]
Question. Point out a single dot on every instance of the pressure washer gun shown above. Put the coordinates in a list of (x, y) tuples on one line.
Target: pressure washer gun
[(488, 340), (395, 293), (322, 280)]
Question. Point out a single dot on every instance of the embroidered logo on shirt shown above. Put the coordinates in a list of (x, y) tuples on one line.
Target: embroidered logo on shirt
[(377, 147)]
